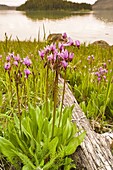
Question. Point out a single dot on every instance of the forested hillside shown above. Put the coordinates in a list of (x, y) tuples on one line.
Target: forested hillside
[(103, 5), (53, 4)]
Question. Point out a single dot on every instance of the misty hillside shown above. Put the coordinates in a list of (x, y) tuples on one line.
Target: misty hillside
[(5, 7), (103, 5)]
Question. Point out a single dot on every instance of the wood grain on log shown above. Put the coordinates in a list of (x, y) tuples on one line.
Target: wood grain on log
[(94, 153)]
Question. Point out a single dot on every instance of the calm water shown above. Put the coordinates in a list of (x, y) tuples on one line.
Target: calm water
[(85, 27)]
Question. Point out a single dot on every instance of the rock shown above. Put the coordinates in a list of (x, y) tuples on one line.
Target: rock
[(101, 43), (55, 37)]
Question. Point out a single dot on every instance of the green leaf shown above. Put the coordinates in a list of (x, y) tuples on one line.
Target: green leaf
[(26, 161), (52, 146), (7, 149), (26, 167), (68, 128), (73, 144)]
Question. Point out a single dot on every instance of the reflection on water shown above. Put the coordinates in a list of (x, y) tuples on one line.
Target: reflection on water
[(106, 16), (52, 15), (86, 27)]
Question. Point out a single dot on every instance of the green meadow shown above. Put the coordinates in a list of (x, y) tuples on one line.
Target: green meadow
[(36, 132)]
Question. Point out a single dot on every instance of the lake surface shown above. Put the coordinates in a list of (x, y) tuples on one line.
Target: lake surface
[(86, 27)]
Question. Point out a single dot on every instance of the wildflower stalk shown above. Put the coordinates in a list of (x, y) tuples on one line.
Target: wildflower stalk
[(18, 100), (34, 83), (55, 100), (47, 76), (11, 93), (62, 98)]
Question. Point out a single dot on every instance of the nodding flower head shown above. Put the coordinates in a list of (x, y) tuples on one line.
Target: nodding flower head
[(17, 58), (27, 72), (60, 46), (50, 57), (71, 55), (27, 61), (7, 66), (65, 55), (70, 41), (53, 47), (77, 43), (15, 63), (64, 35), (105, 65), (41, 54), (8, 58), (64, 64)]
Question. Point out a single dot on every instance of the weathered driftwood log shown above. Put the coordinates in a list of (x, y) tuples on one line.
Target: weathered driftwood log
[(94, 153)]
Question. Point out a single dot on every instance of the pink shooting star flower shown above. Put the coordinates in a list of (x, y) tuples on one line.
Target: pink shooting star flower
[(41, 54), (64, 35), (64, 64), (53, 47), (15, 63), (8, 58), (17, 58), (27, 61), (50, 57), (27, 72), (70, 41), (7, 66), (60, 46), (71, 55), (64, 54), (77, 43)]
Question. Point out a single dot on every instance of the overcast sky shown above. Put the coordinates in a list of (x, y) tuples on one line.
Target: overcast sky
[(19, 2)]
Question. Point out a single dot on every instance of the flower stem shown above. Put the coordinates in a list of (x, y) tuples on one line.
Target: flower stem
[(62, 99), (55, 93), (18, 102), (47, 90)]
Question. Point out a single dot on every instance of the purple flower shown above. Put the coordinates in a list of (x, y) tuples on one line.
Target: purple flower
[(77, 43), (8, 58), (99, 79), (41, 54), (17, 58), (0, 56), (46, 49), (64, 35), (7, 66), (27, 72), (50, 57), (61, 46), (64, 55), (15, 63), (64, 64), (104, 77), (104, 64), (70, 41), (96, 73), (71, 55), (53, 47), (89, 57), (27, 61), (12, 55)]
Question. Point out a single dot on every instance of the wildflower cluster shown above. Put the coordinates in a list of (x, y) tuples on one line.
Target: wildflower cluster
[(57, 55), (101, 73), (16, 61), (90, 59)]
